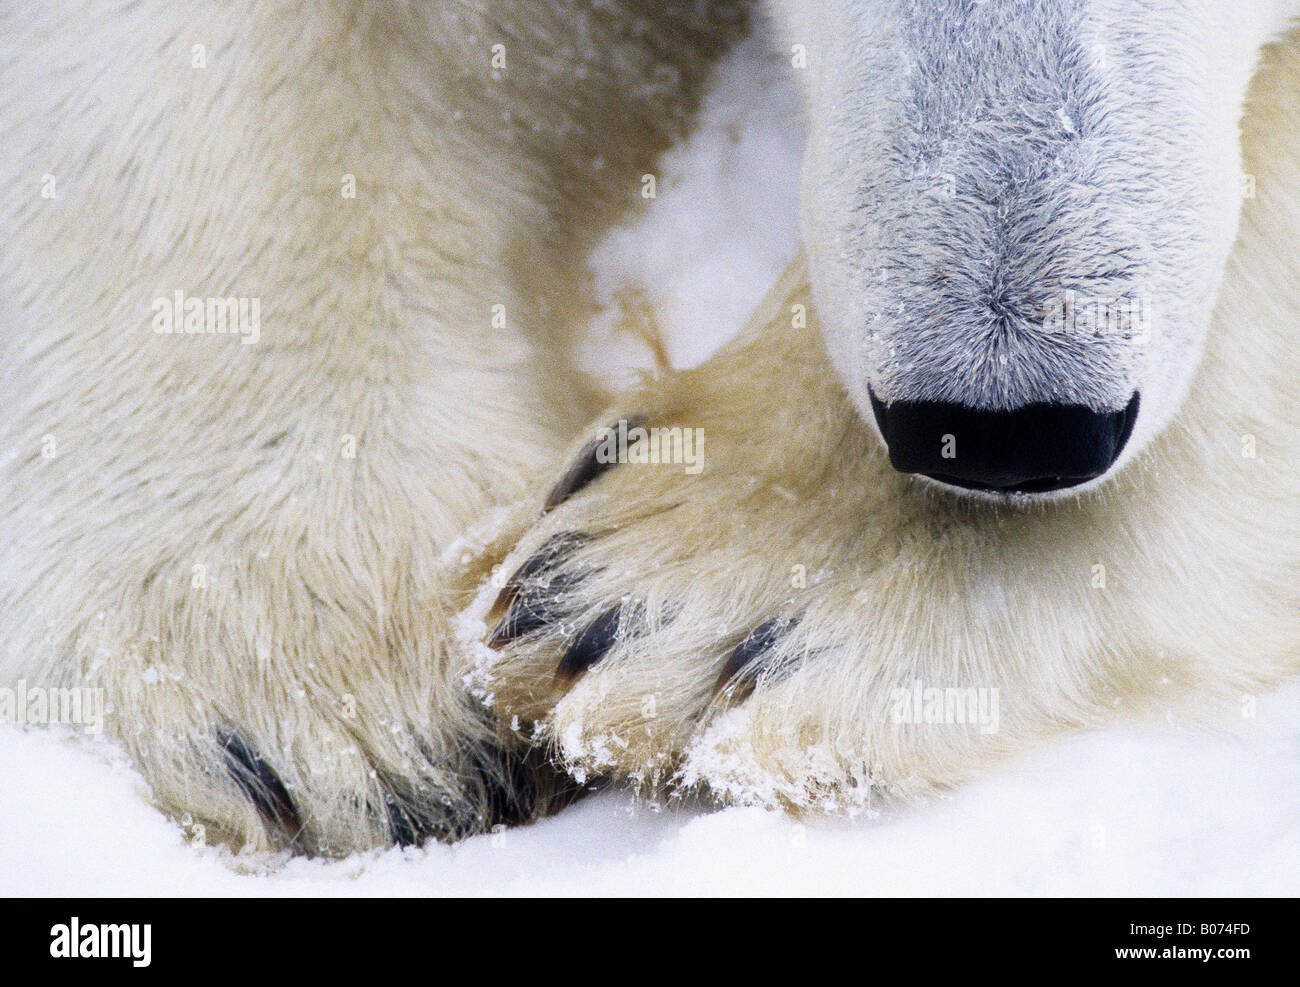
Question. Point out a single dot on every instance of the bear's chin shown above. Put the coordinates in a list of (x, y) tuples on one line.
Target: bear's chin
[(1018, 499)]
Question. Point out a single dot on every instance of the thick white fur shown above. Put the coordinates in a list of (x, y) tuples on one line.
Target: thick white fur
[(245, 539), (316, 629), (1172, 587)]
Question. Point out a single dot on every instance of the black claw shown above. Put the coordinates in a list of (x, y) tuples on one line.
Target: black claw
[(500, 788), (552, 554), (262, 786), (531, 610), (589, 646), (406, 825), (554, 550), (586, 466), (522, 618), (762, 640), (412, 820), (509, 786)]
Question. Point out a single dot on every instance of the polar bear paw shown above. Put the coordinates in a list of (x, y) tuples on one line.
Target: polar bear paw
[(688, 606)]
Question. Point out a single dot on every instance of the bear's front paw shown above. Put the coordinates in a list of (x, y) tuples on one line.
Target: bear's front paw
[(732, 591), (674, 608)]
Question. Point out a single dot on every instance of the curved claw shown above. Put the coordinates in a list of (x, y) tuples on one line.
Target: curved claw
[(520, 608), (590, 646), (761, 641), (587, 466), (260, 783), (531, 610)]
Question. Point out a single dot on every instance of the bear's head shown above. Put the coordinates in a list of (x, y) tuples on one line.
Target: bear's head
[(1017, 215)]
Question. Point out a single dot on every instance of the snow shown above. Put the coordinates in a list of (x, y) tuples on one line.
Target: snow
[(722, 226), (1152, 810)]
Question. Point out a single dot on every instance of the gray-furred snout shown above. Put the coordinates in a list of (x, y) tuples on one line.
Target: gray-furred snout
[(1016, 219)]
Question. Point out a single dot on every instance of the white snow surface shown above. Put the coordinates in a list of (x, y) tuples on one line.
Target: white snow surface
[(721, 228), (1151, 810)]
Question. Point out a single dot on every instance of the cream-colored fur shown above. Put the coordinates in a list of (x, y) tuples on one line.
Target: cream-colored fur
[(241, 539), (255, 549), (1176, 585)]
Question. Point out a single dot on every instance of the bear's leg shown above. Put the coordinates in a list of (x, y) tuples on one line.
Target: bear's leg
[(284, 283)]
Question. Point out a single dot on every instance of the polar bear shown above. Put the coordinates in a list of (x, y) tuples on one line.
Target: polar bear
[(289, 460), (1010, 451)]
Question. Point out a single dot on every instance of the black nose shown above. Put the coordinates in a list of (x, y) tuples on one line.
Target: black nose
[(1032, 449)]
